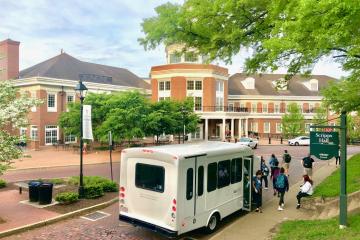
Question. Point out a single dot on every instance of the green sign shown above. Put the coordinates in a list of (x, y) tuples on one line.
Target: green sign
[(324, 145)]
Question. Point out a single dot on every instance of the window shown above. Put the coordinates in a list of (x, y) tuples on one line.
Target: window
[(34, 133), (307, 127), (51, 134), (231, 107), (212, 177), (70, 98), (175, 57), (161, 86), (198, 103), (190, 85), (198, 85), (236, 170), (219, 86), (277, 108), (253, 107), (201, 181), (51, 102), (264, 108), (23, 133), (189, 183), (167, 85), (223, 173), (219, 104), (70, 138), (311, 108), (278, 128), (150, 177), (164, 98), (266, 127), (254, 126), (190, 57)]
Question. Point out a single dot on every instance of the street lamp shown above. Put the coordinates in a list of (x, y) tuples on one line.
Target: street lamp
[(81, 90)]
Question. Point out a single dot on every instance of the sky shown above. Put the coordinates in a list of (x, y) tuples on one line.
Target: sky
[(103, 32)]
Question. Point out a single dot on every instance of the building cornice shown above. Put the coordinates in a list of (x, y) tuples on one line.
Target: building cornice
[(274, 97), (24, 82)]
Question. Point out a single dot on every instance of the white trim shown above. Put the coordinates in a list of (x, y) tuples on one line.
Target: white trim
[(188, 75), (272, 97)]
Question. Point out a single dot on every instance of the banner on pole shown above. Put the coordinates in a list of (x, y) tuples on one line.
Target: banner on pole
[(87, 126)]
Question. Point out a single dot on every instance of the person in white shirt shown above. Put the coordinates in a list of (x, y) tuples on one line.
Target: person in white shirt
[(305, 190)]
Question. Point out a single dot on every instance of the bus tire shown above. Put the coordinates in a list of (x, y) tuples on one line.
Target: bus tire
[(213, 223)]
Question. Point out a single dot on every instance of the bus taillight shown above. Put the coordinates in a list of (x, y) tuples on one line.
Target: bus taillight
[(122, 189)]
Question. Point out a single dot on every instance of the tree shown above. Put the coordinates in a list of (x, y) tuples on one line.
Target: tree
[(292, 34), (293, 121), (14, 108)]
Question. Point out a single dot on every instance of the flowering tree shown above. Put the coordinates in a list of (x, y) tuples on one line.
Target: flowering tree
[(14, 108)]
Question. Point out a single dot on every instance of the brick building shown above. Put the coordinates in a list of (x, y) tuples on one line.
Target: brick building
[(54, 81), (237, 105)]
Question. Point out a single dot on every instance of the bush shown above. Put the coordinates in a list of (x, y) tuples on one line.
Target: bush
[(106, 184), (2, 183), (93, 191), (67, 197)]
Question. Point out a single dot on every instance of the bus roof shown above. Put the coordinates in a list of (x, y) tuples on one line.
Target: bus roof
[(195, 149)]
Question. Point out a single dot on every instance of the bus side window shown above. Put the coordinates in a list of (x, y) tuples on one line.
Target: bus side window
[(201, 180), (212, 177), (236, 170), (189, 183), (223, 173)]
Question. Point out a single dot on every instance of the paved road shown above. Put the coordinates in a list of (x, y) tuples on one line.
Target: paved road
[(108, 228)]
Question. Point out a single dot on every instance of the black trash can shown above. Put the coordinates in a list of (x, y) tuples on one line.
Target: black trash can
[(34, 190), (45, 193)]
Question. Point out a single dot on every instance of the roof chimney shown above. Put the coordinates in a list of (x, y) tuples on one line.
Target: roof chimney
[(9, 59), (61, 51)]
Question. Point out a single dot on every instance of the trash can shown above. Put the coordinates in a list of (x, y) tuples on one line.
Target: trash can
[(45, 193), (34, 190)]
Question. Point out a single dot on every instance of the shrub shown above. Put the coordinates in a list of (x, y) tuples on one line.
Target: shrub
[(56, 181), (2, 183), (67, 197), (106, 184), (93, 191)]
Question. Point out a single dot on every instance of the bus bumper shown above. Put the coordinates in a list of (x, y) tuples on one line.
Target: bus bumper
[(163, 231)]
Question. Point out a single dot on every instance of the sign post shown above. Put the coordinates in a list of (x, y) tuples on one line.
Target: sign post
[(110, 149), (325, 145)]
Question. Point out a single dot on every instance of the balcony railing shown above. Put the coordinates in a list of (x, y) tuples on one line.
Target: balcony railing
[(249, 110)]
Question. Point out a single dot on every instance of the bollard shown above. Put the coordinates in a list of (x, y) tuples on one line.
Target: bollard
[(269, 140), (20, 190), (281, 140)]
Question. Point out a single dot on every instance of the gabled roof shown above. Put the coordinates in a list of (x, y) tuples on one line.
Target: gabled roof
[(264, 85), (65, 66)]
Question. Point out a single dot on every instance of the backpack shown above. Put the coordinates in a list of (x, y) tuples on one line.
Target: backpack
[(287, 158), (307, 162), (280, 181)]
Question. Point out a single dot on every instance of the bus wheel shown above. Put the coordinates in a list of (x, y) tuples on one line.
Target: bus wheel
[(213, 223)]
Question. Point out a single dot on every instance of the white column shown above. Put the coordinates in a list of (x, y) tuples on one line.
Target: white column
[(206, 129), (232, 129), (240, 128), (246, 127), (223, 130)]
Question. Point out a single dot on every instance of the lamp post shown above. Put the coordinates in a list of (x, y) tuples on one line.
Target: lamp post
[(183, 118), (81, 90)]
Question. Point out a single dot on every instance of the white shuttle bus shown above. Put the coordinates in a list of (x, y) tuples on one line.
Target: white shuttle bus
[(174, 189)]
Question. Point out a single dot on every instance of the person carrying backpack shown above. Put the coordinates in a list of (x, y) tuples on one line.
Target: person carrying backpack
[(257, 193), (282, 185), (307, 163), (276, 173), (272, 162), (265, 172), (286, 162)]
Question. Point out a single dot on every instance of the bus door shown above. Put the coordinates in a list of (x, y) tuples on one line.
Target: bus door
[(247, 181), (191, 198)]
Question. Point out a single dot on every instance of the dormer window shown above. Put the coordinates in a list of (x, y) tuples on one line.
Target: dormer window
[(280, 84), (314, 85), (248, 83), (175, 57)]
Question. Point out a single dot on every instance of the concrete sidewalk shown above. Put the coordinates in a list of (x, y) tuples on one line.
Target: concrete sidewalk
[(259, 225)]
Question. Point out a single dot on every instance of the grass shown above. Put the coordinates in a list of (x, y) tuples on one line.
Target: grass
[(330, 187), (55, 181), (319, 229)]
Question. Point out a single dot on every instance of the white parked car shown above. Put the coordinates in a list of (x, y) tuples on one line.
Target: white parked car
[(250, 142), (301, 140)]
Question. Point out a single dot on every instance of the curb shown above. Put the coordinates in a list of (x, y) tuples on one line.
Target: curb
[(57, 218), (56, 166)]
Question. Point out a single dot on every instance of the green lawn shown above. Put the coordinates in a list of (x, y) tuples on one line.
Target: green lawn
[(319, 229), (330, 187)]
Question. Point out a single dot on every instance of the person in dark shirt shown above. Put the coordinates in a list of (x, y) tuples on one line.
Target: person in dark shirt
[(307, 163)]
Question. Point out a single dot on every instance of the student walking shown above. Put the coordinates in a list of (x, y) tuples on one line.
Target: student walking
[(265, 173), (276, 173), (282, 185), (307, 163), (286, 162), (272, 162), (306, 189), (337, 159), (256, 185)]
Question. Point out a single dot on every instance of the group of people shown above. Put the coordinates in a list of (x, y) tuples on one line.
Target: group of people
[(280, 179)]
